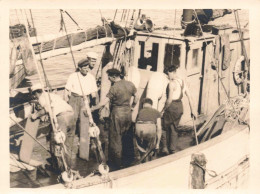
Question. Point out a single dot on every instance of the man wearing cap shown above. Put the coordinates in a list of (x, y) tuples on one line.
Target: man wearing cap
[(81, 85), (64, 114), (92, 57), (148, 129), (119, 96)]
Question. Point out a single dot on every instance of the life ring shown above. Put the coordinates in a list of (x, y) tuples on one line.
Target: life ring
[(237, 72)]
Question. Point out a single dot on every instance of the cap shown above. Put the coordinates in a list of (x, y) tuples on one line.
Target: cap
[(83, 62), (148, 100), (92, 55), (113, 71), (36, 86)]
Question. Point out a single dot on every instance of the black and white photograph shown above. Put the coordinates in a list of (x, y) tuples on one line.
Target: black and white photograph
[(129, 98)]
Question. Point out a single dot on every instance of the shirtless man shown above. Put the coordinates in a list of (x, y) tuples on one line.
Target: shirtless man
[(174, 110)]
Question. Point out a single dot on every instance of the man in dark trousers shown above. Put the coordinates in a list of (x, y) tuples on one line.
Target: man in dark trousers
[(148, 129), (120, 138)]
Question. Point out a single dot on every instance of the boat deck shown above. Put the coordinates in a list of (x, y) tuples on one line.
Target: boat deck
[(44, 176)]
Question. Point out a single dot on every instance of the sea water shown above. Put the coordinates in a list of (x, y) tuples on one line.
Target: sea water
[(47, 21)]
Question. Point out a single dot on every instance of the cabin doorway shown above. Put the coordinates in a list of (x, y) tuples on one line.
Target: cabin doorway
[(194, 68)]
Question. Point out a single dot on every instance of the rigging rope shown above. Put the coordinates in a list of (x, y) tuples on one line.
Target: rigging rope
[(29, 134), (115, 15), (79, 28), (84, 97), (212, 61), (174, 25), (44, 73), (127, 17), (243, 49), (48, 99)]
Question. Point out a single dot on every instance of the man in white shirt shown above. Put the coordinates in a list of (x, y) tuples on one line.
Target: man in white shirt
[(52, 103), (81, 85), (92, 57)]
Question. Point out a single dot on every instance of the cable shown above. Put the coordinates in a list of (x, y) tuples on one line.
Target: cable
[(217, 69), (115, 15), (44, 73), (30, 134)]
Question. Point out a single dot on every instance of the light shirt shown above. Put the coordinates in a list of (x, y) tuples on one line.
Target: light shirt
[(156, 89), (87, 82), (58, 105)]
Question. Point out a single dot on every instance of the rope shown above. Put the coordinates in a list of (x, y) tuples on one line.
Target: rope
[(17, 16), (27, 20), (240, 34), (174, 25), (211, 173), (30, 134), (44, 73), (122, 15), (53, 118), (79, 28), (115, 15), (217, 68), (127, 17), (242, 46), (139, 13), (84, 97)]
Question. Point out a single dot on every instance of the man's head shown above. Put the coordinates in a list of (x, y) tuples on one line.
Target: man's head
[(172, 71), (36, 90), (113, 74), (92, 57), (84, 66), (147, 102)]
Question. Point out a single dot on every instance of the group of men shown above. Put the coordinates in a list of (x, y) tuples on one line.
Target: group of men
[(81, 87)]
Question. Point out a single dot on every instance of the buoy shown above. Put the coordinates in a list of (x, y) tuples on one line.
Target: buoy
[(103, 169), (238, 73), (59, 137), (94, 131), (66, 177)]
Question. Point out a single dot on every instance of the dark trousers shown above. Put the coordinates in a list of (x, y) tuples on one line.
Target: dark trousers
[(171, 119), (121, 150)]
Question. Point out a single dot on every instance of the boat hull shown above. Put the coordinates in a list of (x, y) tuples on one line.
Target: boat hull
[(173, 171)]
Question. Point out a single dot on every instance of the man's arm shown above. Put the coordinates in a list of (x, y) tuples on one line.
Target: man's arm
[(169, 99), (38, 114), (101, 104), (96, 96), (158, 132), (135, 101), (66, 95)]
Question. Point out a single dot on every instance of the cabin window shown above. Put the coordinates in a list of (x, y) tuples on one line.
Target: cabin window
[(148, 56), (195, 58), (172, 56)]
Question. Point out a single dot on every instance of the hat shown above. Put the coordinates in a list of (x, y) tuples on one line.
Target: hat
[(113, 71), (148, 100), (83, 62), (92, 55), (36, 87)]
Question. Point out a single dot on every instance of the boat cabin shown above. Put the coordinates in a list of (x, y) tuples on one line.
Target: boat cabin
[(154, 52)]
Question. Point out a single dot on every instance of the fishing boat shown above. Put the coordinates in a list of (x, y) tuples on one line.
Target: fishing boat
[(215, 65)]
